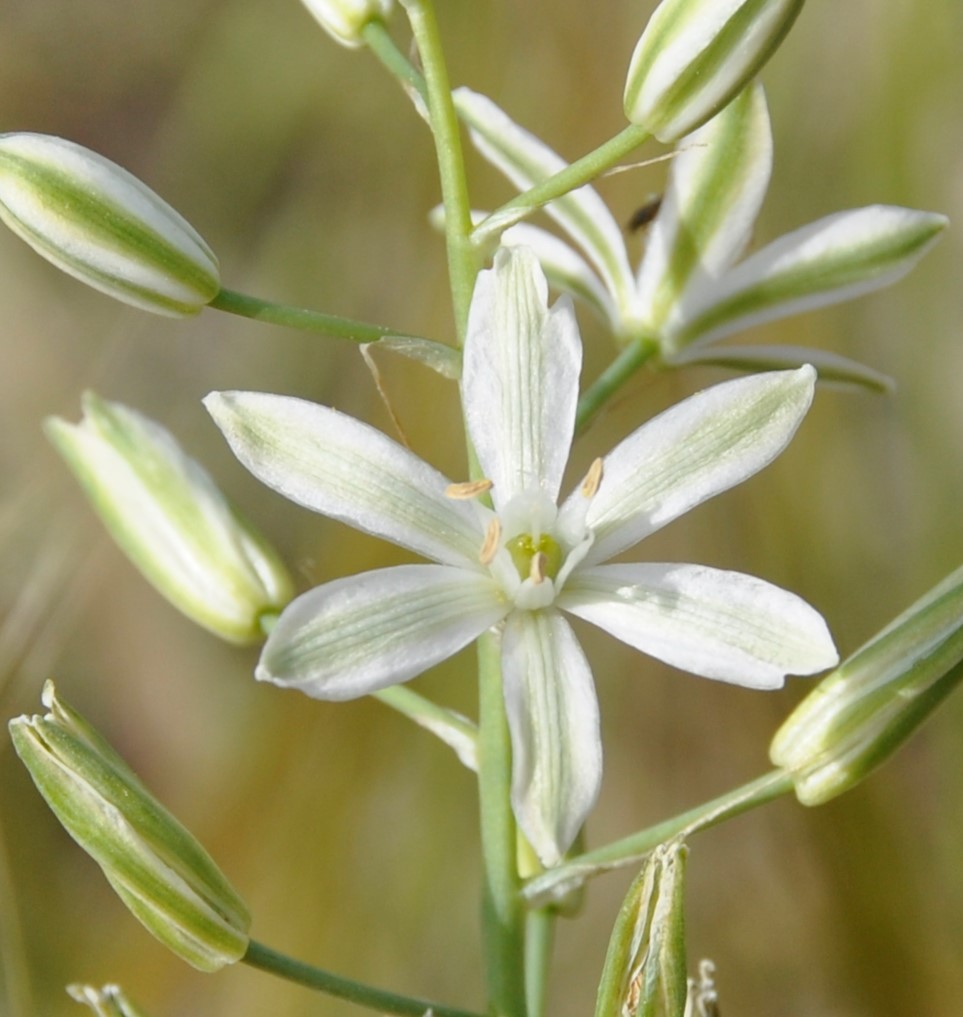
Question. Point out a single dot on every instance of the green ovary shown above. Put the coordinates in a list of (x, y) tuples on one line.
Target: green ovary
[(523, 549)]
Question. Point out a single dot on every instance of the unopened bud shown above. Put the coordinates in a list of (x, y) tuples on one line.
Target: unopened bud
[(645, 972), (697, 55), (343, 20), (169, 517), (159, 870), (101, 224), (859, 714)]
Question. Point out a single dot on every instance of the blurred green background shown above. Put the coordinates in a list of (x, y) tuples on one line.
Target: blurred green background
[(352, 835)]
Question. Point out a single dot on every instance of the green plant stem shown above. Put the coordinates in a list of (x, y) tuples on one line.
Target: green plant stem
[(463, 261), (375, 34), (266, 959), (580, 869), (302, 319), (503, 913), (637, 353), (503, 916), (582, 171), (539, 941)]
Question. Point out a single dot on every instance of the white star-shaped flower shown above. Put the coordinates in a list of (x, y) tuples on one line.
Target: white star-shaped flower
[(525, 562), (690, 288)]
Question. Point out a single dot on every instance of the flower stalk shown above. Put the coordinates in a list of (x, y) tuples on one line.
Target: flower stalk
[(266, 959)]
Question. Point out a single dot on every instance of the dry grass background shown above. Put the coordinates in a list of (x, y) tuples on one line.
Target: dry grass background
[(352, 836)]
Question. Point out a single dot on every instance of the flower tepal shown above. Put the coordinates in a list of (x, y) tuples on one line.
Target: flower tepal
[(523, 563)]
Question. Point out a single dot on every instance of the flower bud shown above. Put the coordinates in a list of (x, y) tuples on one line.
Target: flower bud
[(101, 224), (860, 713), (696, 55), (343, 20), (645, 974), (109, 1001), (159, 870), (167, 515)]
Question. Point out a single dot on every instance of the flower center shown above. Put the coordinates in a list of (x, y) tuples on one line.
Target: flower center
[(523, 549)]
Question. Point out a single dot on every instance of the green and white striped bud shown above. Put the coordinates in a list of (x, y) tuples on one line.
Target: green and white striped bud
[(645, 967), (343, 20), (101, 224), (170, 519), (697, 55), (159, 870), (859, 714), (109, 1001)]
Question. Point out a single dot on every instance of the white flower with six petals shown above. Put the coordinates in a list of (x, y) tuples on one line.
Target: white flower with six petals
[(521, 563), (690, 288)]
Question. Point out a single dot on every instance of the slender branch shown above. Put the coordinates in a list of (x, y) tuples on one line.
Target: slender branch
[(582, 171), (375, 34), (266, 959), (303, 319), (452, 728), (638, 352), (578, 870)]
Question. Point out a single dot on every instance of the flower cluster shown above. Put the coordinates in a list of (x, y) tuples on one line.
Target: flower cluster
[(690, 288)]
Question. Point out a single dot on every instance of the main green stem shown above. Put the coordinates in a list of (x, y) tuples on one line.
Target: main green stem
[(266, 959), (503, 914), (463, 261), (503, 911)]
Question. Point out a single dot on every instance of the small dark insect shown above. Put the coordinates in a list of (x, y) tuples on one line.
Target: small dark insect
[(644, 215)]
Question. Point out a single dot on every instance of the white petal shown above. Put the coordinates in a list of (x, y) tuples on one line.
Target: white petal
[(520, 377), (717, 184), (834, 259), (527, 161), (723, 625), (564, 269), (704, 445), (554, 722), (342, 468), (363, 633)]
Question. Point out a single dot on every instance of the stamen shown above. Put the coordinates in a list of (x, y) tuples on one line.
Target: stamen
[(593, 480), (493, 537), (537, 570), (468, 489)]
